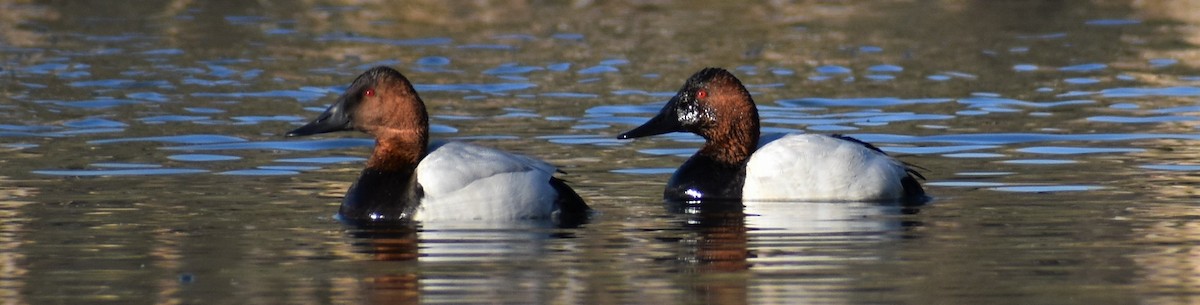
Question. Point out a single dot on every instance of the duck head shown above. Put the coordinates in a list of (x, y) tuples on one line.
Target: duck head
[(712, 104), (380, 102)]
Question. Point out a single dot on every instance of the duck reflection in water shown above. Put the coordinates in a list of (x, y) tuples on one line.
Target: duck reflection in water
[(392, 243), (720, 234), (728, 239), (481, 257)]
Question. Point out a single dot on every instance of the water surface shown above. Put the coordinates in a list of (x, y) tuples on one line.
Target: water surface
[(144, 159)]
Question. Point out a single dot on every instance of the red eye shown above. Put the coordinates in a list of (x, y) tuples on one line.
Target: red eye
[(701, 94), (369, 92)]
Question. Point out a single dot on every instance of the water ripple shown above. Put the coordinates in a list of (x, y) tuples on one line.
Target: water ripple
[(1061, 150), (172, 118), (512, 68), (598, 70), (582, 139), (833, 70), (29, 128), (270, 118), (872, 120), (203, 110), (183, 139), (322, 160), (1039, 161), (938, 149), (1084, 67), (300, 168), (569, 95), (125, 165), (433, 41), (964, 183), (149, 96), (1182, 109), (1144, 92), (202, 157), (1025, 68), (641, 92), (645, 171), (259, 172), (308, 145), (121, 83), (1012, 138), (433, 61), (74, 132), (163, 52), (559, 67), (1112, 22), (1081, 81), (1172, 167), (988, 102), (1047, 188), (120, 172), (567, 36), (1162, 62), (493, 88), (965, 155), (1153, 119), (858, 102), (298, 95), (209, 83), (624, 109), (98, 103), (886, 69), (479, 46)]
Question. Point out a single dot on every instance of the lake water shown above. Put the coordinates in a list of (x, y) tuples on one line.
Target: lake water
[(142, 157)]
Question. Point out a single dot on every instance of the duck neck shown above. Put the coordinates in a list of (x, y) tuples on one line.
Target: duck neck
[(396, 150), (731, 155), (732, 146)]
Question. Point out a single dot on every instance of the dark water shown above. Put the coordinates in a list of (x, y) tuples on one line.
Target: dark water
[(142, 158)]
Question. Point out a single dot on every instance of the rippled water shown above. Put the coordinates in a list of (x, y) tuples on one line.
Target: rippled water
[(143, 159)]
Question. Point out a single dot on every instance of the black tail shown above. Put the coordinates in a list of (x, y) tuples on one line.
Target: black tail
[(913, 192), (572, 211)]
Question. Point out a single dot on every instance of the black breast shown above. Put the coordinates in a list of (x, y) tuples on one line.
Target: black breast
[(702, 177), (380, 197)]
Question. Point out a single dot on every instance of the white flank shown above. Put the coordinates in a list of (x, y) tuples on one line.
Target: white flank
[(821, 168), (463, 181)]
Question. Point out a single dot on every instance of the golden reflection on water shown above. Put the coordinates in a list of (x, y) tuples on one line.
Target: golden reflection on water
[(12, 223), (13, 13), (1184, 11), (1167, 226)]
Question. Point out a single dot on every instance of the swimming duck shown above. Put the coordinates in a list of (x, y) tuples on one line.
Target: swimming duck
[(407, 178), (730, 165)]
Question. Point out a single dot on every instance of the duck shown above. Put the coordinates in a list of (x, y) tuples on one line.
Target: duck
[(731, 165), (408, 178)]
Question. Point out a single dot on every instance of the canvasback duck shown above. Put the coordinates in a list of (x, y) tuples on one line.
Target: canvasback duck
[(407, 178), (715, 105)]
